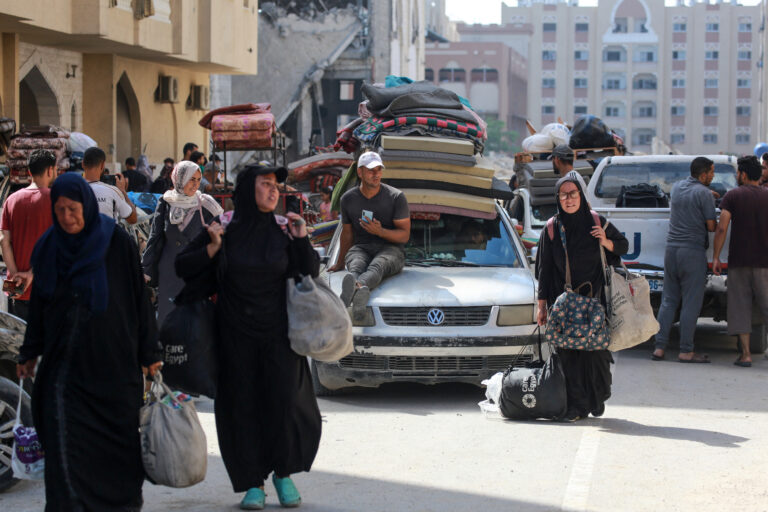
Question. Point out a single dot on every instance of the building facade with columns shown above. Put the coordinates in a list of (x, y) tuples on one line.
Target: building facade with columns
[(132, 75), (687, 73)]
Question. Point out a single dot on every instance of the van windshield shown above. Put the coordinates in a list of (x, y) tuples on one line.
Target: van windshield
[(455, 240), (665, 174)]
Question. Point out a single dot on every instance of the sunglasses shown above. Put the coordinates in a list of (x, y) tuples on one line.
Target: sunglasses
[(573, 194)]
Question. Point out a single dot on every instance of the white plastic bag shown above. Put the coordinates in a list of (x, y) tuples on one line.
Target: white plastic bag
[(318, 323), (174, 450), (27, 461), (492, 393)]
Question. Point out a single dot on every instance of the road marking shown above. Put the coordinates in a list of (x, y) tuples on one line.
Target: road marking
[(576, 495)]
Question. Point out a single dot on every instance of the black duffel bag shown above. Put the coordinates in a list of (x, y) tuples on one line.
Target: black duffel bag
[(642, 195), (534, 391)]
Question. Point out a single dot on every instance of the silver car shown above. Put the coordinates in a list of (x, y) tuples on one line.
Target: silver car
[(462, 309)]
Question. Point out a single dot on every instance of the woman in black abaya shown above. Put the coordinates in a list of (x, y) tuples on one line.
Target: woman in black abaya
[(267, 417), (587, 373), (91, 320)]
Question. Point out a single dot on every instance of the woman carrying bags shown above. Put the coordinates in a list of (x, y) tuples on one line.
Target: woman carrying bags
[(179, 217), (587, 373), (91, 320), (267, 417)]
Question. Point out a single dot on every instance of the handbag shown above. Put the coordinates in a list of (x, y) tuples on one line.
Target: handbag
[(173, 446), (576, 321), (28, 458), (630, 315), (318, 323), (536, 390)]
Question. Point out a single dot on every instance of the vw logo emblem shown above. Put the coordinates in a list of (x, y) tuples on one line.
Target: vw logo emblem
[(435, 316)]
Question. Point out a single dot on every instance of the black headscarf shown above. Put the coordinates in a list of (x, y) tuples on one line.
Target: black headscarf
[(583, 248), (80, 258)]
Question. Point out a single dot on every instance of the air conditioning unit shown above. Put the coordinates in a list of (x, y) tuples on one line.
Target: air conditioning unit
[(169, 89), (201, 97)]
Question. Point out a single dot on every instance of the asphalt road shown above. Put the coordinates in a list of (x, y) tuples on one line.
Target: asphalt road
[(674, 437)]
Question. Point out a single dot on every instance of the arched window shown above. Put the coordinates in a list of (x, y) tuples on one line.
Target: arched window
[(645, 82), (429, 75), (452, 75), (614, 109), (485, 74)]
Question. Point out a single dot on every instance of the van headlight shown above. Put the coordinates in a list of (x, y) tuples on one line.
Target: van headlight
[(366, 321), (516, 315)]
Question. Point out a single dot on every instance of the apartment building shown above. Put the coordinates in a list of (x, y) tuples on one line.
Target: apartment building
[(687, 74), (491, 75), (132, 75)]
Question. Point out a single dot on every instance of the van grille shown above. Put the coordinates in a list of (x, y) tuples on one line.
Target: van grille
[(426, 365), (454, 317)]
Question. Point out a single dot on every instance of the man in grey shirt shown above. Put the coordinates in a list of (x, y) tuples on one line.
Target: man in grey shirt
[(691, 218), (376, 223)]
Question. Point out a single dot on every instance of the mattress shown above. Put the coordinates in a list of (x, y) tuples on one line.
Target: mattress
[(467, 180), (437, 144), (453, 210), (427, 156), (243, 122), (453, 199), (477, 170), (497, 189), (256, 136)]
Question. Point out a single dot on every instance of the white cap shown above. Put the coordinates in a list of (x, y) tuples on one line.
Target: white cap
[(370, 159)]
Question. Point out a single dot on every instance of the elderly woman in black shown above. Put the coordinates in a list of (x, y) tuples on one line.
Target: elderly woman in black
[(91, 320), (267, 417), (587, 373)]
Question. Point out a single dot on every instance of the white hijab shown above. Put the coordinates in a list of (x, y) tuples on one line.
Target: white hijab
[(183, 207)]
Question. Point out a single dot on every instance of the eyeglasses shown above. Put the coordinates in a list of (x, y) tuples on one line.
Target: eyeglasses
[(573, 194)]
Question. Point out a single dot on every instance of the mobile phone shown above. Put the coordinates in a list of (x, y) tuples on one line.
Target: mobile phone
[(367, 215), (109, 179), (10, 287)]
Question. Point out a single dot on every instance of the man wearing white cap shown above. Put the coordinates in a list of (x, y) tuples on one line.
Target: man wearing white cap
[(376, 223)]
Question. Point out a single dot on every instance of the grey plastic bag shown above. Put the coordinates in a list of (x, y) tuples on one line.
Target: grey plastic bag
[(318, 323), (173, 445)]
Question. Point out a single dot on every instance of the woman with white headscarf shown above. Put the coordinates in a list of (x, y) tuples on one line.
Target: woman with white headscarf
[(181, 214)]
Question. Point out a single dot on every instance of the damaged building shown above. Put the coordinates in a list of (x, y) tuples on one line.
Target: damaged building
[(313, 58)]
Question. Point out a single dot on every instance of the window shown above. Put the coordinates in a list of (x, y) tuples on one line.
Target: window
[(429, 75), (677, 110), (548, 55), (710, 138), (745, 27), (613, 83), (484, 74), (710, 111), (744, 82), (549, 27), (677, 138), (710, 83), (678, 55), (713, 27), (547, 109), (742, 138), (640, 25), (644, 82), (743, 111), (346, 90), (580, 83), (643, 137), (712, 55), (452, 75), (582, 27), (581, 55), (678, 83), (745, 55), (645, 55), (620, 26), (678, 27), (580, 110), (665, 174), (613, 55), (645, 110), (612, 111), (548, 83)]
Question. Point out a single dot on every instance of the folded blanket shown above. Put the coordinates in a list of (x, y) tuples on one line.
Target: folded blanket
[(370, 130), (244, 108), (380, 98), (38, 143), (241, 135), (243, 122), (402, 155)]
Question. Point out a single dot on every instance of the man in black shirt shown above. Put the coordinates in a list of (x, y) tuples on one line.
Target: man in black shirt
[(163, 182), (137, 182)]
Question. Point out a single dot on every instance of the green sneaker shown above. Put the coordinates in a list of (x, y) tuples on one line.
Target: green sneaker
[(253, 500), (286, 492)]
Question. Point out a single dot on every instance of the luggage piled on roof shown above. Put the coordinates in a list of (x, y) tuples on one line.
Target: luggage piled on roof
[(318, 171), (32, 138), (244, 126)]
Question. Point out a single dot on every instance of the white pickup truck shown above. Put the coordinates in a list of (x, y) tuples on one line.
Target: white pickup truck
[(646, 228)]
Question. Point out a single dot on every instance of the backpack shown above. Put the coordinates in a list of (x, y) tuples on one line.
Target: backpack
[(642, 195), (551, 224)]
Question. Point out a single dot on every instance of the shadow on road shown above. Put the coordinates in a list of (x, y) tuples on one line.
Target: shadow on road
[(708, 437)]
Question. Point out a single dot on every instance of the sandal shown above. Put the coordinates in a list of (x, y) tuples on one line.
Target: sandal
[(743, 364), (654, 357), (695, 359)]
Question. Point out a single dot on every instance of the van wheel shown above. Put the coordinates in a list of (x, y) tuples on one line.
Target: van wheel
[(9, 396), (320, 390), (758, 340)]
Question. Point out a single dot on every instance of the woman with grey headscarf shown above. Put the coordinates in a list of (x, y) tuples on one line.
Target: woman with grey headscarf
[(181, 214)]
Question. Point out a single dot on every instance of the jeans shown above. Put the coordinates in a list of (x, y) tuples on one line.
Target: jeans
[(369, 264), (685, 277)]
